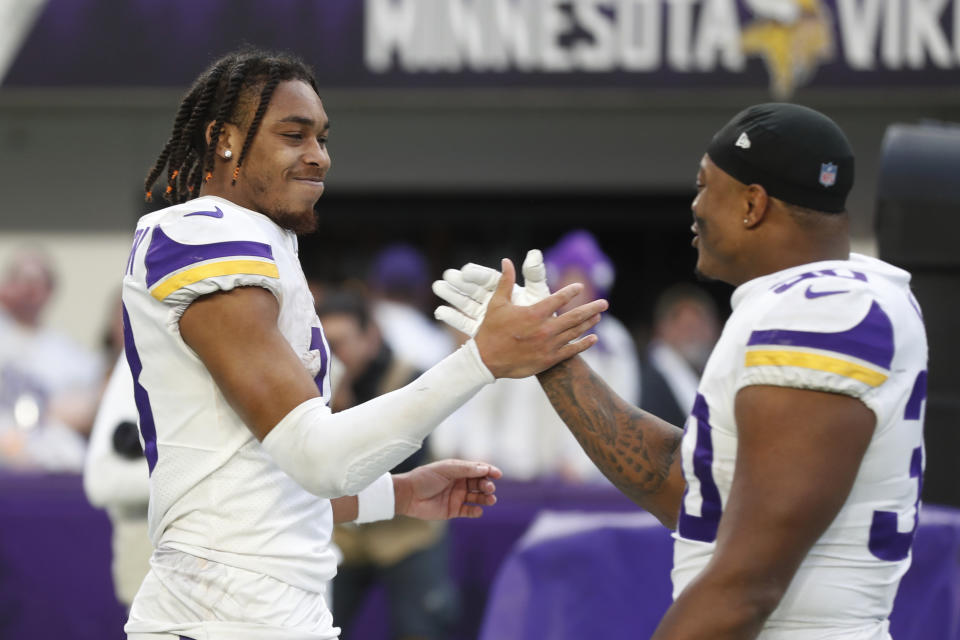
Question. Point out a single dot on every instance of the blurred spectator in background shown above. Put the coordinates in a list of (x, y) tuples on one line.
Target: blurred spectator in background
[(685, 328), (400, 282), (116, 478), (48, 384), (511, 423), (111, 337), (408, 556)]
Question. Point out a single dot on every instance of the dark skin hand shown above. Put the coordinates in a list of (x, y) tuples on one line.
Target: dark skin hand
[(798, 455)]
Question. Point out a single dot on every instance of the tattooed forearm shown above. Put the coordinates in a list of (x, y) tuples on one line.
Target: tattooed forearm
[(637, 451)]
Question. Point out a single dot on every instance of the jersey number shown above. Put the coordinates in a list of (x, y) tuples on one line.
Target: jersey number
[(886, 542), (704, 526)]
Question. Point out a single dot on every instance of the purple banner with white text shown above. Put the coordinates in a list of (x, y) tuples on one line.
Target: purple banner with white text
[(641, 44)]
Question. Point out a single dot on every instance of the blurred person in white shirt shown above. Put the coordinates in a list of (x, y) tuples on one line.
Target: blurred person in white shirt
[(116, 478), (400, 283), (48, 384)]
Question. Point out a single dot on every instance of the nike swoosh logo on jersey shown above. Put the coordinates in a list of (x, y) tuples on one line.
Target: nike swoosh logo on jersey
[(819, 294), (216, 213)]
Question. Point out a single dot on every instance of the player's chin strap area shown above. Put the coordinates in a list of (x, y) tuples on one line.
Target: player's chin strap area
[(339, 454)]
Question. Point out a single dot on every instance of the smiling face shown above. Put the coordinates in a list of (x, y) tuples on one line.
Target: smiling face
[(718, 211), (283, 173)]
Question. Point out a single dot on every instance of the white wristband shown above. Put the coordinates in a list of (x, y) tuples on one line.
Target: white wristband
[(376, 502)]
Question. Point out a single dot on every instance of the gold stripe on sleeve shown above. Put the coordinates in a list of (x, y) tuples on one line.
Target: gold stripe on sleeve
[(212, 270), (814, 361)]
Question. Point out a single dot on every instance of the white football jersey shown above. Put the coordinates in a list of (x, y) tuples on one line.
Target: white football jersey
[(214, 491), (850, 327)]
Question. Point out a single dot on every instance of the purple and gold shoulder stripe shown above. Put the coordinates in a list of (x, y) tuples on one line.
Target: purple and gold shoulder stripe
[(172, 265), (862, 353)]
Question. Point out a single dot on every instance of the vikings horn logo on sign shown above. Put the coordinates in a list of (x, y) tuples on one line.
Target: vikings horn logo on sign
[(792, 37), (828, 174)]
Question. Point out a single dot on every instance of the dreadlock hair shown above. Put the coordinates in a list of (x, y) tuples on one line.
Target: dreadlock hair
[(225, 92)]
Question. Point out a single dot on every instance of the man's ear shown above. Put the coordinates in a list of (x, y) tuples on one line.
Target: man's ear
[(229, 138), (757, 202)]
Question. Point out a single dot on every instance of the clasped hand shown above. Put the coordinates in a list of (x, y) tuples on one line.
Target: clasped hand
[(516, 328)]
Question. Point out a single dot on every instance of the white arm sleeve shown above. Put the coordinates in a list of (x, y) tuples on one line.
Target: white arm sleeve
[(339, 454)]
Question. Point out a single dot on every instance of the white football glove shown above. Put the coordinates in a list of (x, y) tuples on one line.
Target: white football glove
[(469, 290)]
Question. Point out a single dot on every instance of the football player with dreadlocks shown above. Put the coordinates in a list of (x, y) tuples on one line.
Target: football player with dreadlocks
[(249, 468)]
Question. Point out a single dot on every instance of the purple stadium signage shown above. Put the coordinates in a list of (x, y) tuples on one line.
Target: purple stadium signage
[(783, 44)]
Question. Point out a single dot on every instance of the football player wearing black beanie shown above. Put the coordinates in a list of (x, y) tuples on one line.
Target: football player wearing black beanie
[(776, 175), (794, 488)]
